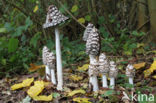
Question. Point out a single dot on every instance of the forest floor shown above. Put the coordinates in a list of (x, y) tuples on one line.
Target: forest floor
[(75, 79)]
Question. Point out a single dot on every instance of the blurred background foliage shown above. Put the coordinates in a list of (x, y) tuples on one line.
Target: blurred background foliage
[(127, 28)]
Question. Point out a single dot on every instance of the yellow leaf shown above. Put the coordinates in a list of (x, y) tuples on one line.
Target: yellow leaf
[(35, 9), (76, 92), (34, 67), (43, 98), (83, 68), (16, 86), (25, 83), (154, 76), (36, 89), (75, 77), (81, 20), (81, 100), (139, 65), (149, 71)]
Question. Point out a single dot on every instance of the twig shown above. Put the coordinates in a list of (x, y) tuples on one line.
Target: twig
[(70, 14), (143, 25)]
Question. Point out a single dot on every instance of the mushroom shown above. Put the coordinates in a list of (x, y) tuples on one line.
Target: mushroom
[(49, 60), (92, 49), (130, 73), (113, 72), (103, 68), (54, 18)]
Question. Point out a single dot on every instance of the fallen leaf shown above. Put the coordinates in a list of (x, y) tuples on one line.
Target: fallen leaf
[(83, 68), (76, 77), (43, 98), (154, 76), (76, 92), (139, 65), (36, 89), (25, 83), (27, 99), (34, 67), (149, 71), (81, 100)]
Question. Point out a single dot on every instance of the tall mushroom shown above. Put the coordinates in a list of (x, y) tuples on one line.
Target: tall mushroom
[(93, 49), (49, 60), (130, 73), (113, 72), (87, 31), (103, 68), (54, 18)]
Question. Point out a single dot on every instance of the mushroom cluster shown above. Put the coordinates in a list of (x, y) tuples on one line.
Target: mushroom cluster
[(91, 36), (103, 66), (54, 18), (49, 62)]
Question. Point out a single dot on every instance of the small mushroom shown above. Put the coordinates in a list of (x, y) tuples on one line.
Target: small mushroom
[(49, 61), (113, 72), (93, 49), (54, 18), (103, 68), (45, 53), (130, 73)]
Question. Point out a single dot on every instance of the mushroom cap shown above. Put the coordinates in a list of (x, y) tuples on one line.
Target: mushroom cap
[(45, 53), (54, 17), (92, 44), (93, 68), (103, 64), (87, 31), (51, 60), (113, 72), (130, 71), (48, 57)]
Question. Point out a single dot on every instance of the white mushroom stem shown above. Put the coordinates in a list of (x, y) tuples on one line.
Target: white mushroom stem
[(130, 80), (112, 82), (58, 60), (93, 79), (104, 81), (47, 71), (94, 82), (53, 79)]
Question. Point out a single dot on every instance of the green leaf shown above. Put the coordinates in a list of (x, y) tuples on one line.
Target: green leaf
[(81, 20), (87, 18), (34, 39), (74, 8), (28, 22), (3, 30), (108, 93), (13, 44)]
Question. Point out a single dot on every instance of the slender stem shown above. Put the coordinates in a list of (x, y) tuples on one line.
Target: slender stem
[(130, 80), (58, 60), (47, 70), (94, 82), (104, 81), (53, 79), (112, 82)]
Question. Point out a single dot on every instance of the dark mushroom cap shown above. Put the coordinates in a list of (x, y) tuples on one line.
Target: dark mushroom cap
[(87, 31), (54, 17), (48, 57), (113, 72), (103, 64), (93, 43)]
